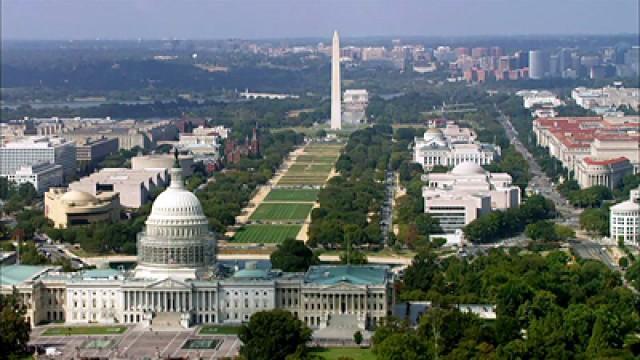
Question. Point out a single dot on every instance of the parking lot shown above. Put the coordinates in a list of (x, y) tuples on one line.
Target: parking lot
[(136, 343)]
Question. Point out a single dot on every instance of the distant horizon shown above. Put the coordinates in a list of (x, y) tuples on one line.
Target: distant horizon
[(342, 37), (303, 19)]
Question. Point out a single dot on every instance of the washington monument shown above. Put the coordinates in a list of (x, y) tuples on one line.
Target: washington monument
[(336, 100)]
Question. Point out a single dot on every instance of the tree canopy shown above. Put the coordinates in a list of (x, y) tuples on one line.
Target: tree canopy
[(273, 335), (499, 224), (293, 256), (14, 329), (547, 307)]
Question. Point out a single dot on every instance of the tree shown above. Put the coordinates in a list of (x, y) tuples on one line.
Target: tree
[(273, 334), (500, 224), (511, 295), (445, 328), (293, 256), (427, 225), (353, 257), (590, 197), (578, 326), (424, 268), (623, 262), (14, 329), (387, 327), (595, 221), (357, 337), (568, 187), (564, 232), (633, 275), (29, 254), (403, 346), (542, 230)]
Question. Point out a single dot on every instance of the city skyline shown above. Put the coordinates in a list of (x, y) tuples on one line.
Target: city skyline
[(42, 20)]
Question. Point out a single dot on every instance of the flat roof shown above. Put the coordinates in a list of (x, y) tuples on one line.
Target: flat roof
[(16, 274), (354, 274), (100, 273)]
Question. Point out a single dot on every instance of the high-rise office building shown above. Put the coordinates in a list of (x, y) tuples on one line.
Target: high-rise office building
[(554, 66), (538, 64), (564, 59)]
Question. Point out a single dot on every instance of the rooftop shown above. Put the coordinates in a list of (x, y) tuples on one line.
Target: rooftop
[(617, 160), (353, 274), (16, 274), (626, 206), (100, 274), (253, 274)]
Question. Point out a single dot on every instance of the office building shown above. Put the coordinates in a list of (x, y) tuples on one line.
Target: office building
[(538, 64), (624, 220), (597, 150), (42, 176), (129, 133), (203, 141), (354, 108), (163, 161), (90, 152), (539, 98), (607, 172), (34, 150), (606, 98)]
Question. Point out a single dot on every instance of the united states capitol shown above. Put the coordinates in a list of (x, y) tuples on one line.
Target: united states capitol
[(177, 282)]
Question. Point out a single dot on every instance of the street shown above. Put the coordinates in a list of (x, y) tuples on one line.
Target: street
[(539, 180), (591, 250), (386, 212)]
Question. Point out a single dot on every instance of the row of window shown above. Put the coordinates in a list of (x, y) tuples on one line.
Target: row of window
[(94, 304), (256, 304)]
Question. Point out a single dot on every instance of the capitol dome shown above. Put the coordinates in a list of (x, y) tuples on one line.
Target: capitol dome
[(468, 168), (176, 240), (176, 202)]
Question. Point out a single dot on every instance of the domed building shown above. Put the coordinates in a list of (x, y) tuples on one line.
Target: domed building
[(174, 285), (467, 191), (67, 208), (451, 146), (176, 242)]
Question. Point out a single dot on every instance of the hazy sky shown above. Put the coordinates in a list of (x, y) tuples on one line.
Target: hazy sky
[(212, 19)]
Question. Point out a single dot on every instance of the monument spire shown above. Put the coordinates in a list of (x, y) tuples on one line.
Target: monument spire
[(336, 98)]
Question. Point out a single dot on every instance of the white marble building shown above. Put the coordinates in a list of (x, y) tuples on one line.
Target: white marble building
[(465, 193), (451, 146), (176, 282)]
